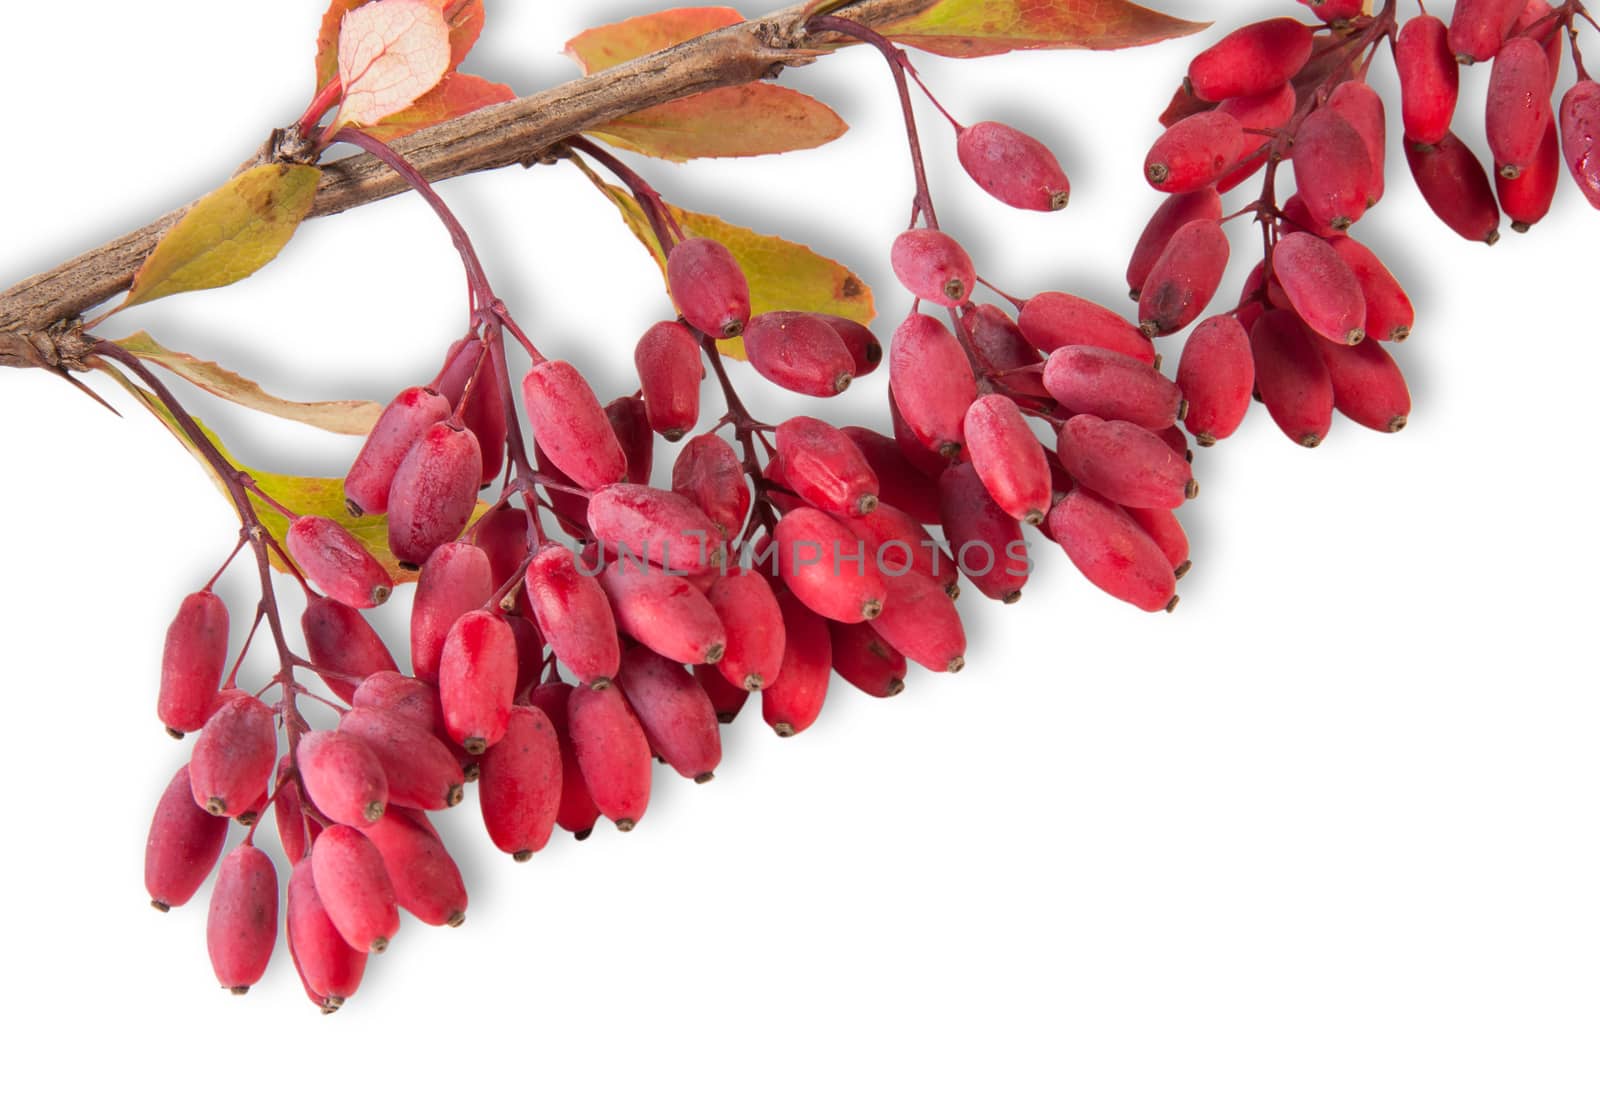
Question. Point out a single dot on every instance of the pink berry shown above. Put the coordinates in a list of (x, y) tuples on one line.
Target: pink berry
[(709, 287), (183, 846), (1013, 167), (434, 492), (612, 753), (354, 887), (668, 362), (336, 562), (478, 679), (192, 662), (242, 925), (932, 266), (571, 427), (233, 757), (425, 879)]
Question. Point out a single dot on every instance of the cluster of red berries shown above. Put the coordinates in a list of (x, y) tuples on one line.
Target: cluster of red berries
[(1308, 335)]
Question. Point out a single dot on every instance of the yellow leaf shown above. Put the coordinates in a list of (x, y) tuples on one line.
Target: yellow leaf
[(783, 276), (338, 416), (229, 234), (302, 495), (979, 28), (740, 122), (390, 53)]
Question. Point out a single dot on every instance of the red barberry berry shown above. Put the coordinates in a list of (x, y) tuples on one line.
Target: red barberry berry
[(344, 648), (192, 662), (1429, 79), (1008, 459), (455, 579), (1362, 108), (434, 492), (1526, 198), (709, 287), (233, 757), (478, 679), (419, 771), (1251, 60), (825, 468), (678, 718), (1113, 386), (1320, 287), (1332, 170), (1216, 375), (354, 887), (342, 777), (366, 486), (921, 622), (1052, 320), (1368, 387), (932, 266), (242, 925), (931, 381), (1162, 525), (520, 786), (668, 362), (1453, 182), (1184, 278), (329, 968), (183, 846), (426, 881), (1518, 106), (752, 628), (612, 752), (1124, 463), (899, 482), (799, 351), (1478, 27), (665, 611), (987, 542), (863, 658), (573, 615), (1013, 167), (1580, 137), (471, 366), (792, 703), (655, 525), (1113, 551), (1196, 152), (1174, 213), (631, 425), (708, 473), (1389, 313), (334, 560), (827, 567), (1291, 379), (571, 427)]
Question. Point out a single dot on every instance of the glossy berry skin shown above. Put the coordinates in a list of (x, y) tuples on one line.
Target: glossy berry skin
[(931, 381), (1291, 378), (183, 845), (1580, 137), (1362, 108), (612, 753), (932, 266), (1216, 375), (1478, 27), (1518, 105), (801, 352), (1008, 458), (664, 611), (863, 658), (1184, 278), (752, 628), (519, 790), (1052, 320), (1013, 167), (573, 615), (455, 579), (1332, 169), (1429, 79), (1454, 184), (1389, 313), (708, 473), (1321, 287), (1368, 387), (667, 359), (419, 770), (900, 483), (426, 881), (330, 969), (921, 622), (1196, 152), (343, 646), (334, 561), (709, 287), (827, 567), (366, 486), (1113, 551), (1112, 386), (987, 543), (792, 703), (233, 757), (824, 467), (658, 526), (434, 491), (1526, 198), (470, 364), (571, 427), (1254, 59), (342, 777), (630, 423), (193, 660), (242, 925), (478, 679), (678, 718), (1174, 213), (1124, 463), (355, 888)]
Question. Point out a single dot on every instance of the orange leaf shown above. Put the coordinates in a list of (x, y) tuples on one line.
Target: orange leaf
[(463, 17), (979, 28), (455, 96), (738, 122), (615, 43), (390, 53)]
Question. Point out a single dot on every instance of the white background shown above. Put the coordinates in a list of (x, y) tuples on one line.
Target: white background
[(1324, 836)]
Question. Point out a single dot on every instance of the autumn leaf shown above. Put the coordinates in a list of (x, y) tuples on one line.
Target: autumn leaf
[(745, 121), (338, 416), (979, 28), (302, 495), (390, 53), (782, 274), (457, 95), (463, 17), (229, 234)]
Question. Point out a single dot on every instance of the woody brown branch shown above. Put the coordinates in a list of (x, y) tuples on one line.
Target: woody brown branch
[(38, 316)]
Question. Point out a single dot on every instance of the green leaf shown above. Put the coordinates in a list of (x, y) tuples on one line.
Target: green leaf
[(229, 234), (979, 28), (339, 416), (783, 276)]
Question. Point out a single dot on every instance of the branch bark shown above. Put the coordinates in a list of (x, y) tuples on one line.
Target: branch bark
[(37, 316)]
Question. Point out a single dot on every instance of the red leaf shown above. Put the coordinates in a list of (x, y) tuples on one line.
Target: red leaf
[(740, 122), (455, 96), (391, 53), (463, 17), (979, 28), (615, 43)]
